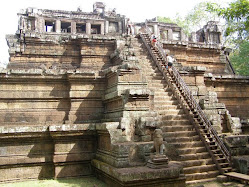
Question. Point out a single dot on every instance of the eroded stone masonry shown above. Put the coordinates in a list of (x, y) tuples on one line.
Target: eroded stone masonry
[(81, 97)]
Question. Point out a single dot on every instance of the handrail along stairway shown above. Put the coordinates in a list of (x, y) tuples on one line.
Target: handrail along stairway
[(215, 146)]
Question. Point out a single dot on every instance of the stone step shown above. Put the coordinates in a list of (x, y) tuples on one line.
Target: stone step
[(191, 150), (148, 68), (162, 92), (203, 175), (177, 128), (199, 169), (166, 107), (171, 102), (170, 112), (153, 87), (183, 145), (145, 63), (163, 98), (157, 81), (151, 70), (181, 139), (153, 75), (172, 117), (138, 47), (154, 69), (151, 78), (178, 131), (173, 123), (149, 75), (191, 163), (197, 156), (201, 181), (156, 86)]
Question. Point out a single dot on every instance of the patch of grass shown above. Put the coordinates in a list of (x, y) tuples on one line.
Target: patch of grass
[(75, 182), (217, 184)]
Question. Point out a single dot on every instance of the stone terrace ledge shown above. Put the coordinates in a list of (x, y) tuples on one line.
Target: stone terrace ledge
[(193, 44), (227, 77), (140, 176), (22, 128)]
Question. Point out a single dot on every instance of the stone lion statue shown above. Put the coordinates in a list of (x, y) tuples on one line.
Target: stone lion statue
[(158, 141)]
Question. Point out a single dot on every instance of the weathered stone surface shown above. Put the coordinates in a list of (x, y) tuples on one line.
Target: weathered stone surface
[(237, 144), (232, 90), (241, 164), (46, 151), (142, 176), (84, 92), (222, 178)]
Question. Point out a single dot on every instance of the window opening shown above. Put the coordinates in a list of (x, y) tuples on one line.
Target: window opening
[(65, 27), (176, 35), (49, 26), (95, 29), (81, 28)]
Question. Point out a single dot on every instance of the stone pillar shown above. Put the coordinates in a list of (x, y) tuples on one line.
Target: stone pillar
[(155, 28), (88, 28), (58, 26), (106, 27), (73, 27), (120, 27), (220, 38), (36, 25), (183, 37), (193, 37), (170, 34), (102, 28), (41, 24)]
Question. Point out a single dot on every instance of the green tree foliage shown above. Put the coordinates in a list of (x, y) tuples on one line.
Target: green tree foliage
[(237, 18), (194, 20), (237, 32), (240, 59), (165, 19)]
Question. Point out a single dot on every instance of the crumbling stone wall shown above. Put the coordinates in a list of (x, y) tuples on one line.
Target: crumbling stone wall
[(232, 91)]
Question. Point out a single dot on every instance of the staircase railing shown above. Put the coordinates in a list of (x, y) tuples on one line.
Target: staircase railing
[(194, 106)]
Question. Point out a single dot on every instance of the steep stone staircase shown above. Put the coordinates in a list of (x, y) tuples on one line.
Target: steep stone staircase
[(179, 133)]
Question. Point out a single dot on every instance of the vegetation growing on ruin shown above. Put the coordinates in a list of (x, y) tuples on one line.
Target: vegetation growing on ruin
[(194, 20), (236, 31), (236, 27)]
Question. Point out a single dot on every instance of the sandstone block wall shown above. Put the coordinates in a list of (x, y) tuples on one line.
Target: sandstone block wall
[(43, 130), (64, 52), (39, 152), (233, 92), (208, 56), (33, 99), (51, 95), (39, 99)]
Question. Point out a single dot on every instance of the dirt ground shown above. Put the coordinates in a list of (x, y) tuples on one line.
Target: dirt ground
[(216, 184), (94, 182), (77, 182)]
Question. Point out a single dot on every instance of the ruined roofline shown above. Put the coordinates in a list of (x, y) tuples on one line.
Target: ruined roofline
[(103, 22), (168, 24), (33, 12)]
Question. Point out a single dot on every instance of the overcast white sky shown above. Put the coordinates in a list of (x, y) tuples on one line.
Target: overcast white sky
[(136, 10)]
